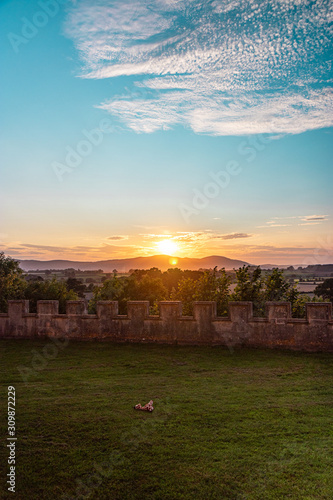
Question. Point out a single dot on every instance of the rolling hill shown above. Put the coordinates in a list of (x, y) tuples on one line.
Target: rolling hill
[(163, 262)]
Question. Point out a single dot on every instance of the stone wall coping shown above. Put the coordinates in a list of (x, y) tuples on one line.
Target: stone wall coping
[(277, 328)]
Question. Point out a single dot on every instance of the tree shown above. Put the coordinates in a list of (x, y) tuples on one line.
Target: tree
[(69, 273), (186, 293), (150, 287), (77, 286), (214, 285), (33, 278), (172, 276), (297, 301), (12, 284), (223, 294), (276, 286), (325, 290), (48, 290), (249, 288), (112, 289)]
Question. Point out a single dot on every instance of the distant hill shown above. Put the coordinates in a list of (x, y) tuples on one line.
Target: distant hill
[(124, 265)]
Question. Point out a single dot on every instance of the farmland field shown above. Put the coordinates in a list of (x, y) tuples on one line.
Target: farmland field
[(252, 424)]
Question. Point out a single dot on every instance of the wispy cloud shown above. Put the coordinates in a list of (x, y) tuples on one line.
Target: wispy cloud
[(269, 224), (315, 217), (309, 224), (118, 238), (79, 252), (192, 240), (294, 220), (232, 236), (225, 67)]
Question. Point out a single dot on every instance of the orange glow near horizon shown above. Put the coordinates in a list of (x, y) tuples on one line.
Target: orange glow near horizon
[(173, 261)]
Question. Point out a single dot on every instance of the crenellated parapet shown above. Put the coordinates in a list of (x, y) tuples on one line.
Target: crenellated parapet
[(278, 329)]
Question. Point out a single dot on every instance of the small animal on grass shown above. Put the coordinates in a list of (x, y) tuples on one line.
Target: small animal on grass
[(146, 407)]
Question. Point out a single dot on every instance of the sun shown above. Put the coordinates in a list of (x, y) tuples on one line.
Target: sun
[(167, 247)]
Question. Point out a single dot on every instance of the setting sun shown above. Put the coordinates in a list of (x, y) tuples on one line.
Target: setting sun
[(167, 247)]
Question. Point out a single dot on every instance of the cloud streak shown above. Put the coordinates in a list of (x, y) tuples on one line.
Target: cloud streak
[(307, 220), (118, 238), (221, 67), (232, 236)]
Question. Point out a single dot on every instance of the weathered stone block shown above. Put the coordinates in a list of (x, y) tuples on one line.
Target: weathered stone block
[(204, 310), (169, 311), (76, 307), (17, 308), (240, 312), (203, 313), (107, 308), (278, 310), (138, 309), (47, 307), (319, 311)]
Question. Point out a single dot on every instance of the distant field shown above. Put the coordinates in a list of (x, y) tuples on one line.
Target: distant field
[(303, 287), (307, 288), (249, 425)]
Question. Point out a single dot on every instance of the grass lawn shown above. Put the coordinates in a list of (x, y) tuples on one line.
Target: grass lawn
[(253, 424)]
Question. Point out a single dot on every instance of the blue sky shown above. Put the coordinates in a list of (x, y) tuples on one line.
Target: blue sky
[(125, 124)]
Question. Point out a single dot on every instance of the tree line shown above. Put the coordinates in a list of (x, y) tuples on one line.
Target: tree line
[(190, 286), (154, 285)]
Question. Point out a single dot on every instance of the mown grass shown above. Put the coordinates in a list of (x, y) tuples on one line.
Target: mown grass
[(253, 424)]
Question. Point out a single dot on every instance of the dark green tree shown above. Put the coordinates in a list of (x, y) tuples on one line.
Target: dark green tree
[(140, 285), (77, 286), (214, 285), (12, 284), (171, 278), (249, 287), (186, 293), (325, 290), (49, 290), (276, 286), (297, 301), (112, 289), (150, 287)]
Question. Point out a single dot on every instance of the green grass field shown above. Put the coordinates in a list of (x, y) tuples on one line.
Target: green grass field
[(253, 424)]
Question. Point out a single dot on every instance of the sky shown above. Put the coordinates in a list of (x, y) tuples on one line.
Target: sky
[(184, 127)]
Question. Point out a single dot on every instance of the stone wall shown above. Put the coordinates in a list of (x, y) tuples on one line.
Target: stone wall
[(277, 329)]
